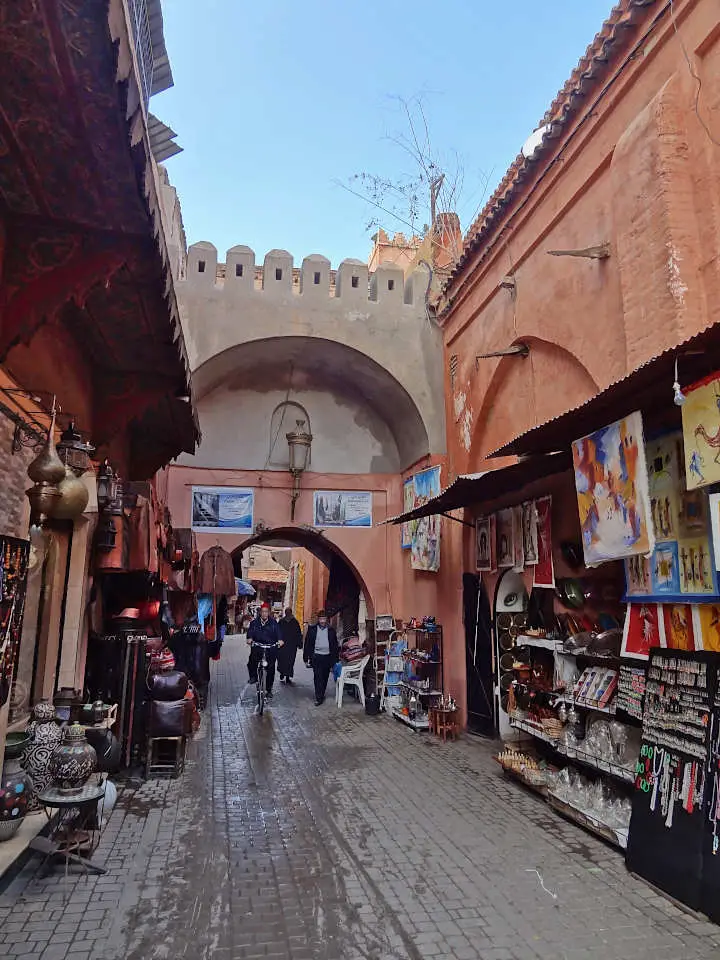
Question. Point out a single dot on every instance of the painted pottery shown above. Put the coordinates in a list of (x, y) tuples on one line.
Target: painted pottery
[(73, 760), (45, 735), (15, 786)]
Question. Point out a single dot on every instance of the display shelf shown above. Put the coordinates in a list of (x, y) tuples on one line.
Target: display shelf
[(412, 656), (419, 723), (516, 775), (602, 766), (421, 690), (533, 729), (588, 705), (617, 837), (522, 640)]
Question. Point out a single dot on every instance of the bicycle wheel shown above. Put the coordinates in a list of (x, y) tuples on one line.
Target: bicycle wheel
[(260, 690)]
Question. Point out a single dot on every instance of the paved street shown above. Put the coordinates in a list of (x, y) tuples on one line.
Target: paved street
[(317, 834)]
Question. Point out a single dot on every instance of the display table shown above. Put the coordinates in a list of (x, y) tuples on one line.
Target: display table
[(444, 722), (74, 820)]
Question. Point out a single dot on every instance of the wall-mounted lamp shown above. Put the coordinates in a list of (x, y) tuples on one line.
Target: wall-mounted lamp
[(299, 441), (679, 396), (109, 498)]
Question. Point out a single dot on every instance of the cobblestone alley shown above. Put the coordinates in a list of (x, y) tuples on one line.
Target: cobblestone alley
[(318, 834)]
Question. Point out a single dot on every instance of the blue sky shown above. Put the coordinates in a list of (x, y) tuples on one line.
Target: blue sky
[(276, 100)]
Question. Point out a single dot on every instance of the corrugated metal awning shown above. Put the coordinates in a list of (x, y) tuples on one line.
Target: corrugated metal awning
[(647, 388), (162, 139), (478, 488)]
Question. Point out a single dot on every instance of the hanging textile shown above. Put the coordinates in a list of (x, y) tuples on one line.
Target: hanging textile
[(217, 575)]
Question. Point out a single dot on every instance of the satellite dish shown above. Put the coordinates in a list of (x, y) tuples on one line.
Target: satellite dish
[(534, 141)]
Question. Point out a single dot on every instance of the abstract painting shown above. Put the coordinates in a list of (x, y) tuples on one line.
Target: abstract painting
[(505, 539), (483, 547), (637, 575), (701, 432), (612, 491), (641, 631), (665, 570), (544, 575), (529, 532), (677, 626)]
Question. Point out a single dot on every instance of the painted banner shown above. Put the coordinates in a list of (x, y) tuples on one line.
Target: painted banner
[(612, 491), (701, 432), (222, 509), (544, 574), (425, 545), (505, 538), (408, 503), (334, 508)]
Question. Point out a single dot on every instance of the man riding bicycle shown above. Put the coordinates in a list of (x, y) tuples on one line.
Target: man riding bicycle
[(265, 633)]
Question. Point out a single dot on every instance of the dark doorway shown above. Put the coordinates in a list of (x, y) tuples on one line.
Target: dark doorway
[(478, 656)]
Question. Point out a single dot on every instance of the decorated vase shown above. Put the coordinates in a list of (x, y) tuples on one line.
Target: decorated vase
[(45, 735), (15, 786), (73, 760)]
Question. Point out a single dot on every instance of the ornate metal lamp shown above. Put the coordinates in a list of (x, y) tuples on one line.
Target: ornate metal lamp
[(109, 497), (299, 442)]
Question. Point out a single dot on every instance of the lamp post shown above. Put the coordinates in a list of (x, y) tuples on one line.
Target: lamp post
[(299, 441)]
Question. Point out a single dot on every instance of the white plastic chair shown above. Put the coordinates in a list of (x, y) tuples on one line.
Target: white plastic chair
[(352, 676)]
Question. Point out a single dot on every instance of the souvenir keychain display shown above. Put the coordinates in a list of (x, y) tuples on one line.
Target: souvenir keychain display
[(13, 573), (631, 690)]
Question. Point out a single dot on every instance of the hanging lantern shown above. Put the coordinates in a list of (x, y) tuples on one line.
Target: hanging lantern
[(106, 534), (106, 485), (299, 441), (73, 451), (46, 471)]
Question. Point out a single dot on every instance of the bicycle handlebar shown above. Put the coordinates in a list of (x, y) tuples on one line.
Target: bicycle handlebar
[(264, 646)]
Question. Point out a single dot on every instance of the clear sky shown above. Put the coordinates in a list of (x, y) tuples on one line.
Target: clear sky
[(276, 100)]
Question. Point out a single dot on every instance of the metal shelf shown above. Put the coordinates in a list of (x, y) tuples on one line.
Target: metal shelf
[(416, 724), (587, 705), (421, 690), (522, 640)]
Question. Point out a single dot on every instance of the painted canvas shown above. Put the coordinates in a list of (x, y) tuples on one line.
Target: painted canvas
[(665, 570), (425, 546), (664, 509), (529, 528), (664, 462), (707, 617), (612, 491), (641, 631), (483, 552), (519, 562), (701, 432), (677, 626), (505, 539), (544, 575), (696, 566), (637, 576), (714, 508), (408, 503)]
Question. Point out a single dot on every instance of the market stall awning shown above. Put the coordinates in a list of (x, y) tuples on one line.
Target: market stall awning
[(268, 576), (649, 387), (244, 589), (478, 488)]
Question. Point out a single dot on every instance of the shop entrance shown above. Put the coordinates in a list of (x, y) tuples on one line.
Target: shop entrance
[(478, 656)]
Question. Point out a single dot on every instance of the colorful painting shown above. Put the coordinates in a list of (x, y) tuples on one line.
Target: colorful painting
[(693, 516), (425, 546), (529, 530), (641, 631), (664, 569), (338, 508), (519, 562), (664, 462), (701, 432), (664, 509), (637, 576), (696, 566), (406, 529), (707, 617), (612, 490), (677, 626), (222, 509), (544, 574), (505, 539), (483, 547)]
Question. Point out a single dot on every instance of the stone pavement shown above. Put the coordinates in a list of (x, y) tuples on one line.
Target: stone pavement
[(318, 834)]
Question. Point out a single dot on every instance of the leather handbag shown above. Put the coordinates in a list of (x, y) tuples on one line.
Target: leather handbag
[(170, 719), (168, 686)]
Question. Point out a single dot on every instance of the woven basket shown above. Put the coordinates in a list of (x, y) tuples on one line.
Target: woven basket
[(552, 727)]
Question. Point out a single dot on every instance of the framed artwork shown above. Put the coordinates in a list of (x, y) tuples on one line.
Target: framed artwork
[(612, 491), (677, 626), (701, 432), (505, 539), (519, 562), (529, 531), (544, 574), (641, 630), (637, 576), (664, 569), (483, 548), (696, 567), (342, 508)]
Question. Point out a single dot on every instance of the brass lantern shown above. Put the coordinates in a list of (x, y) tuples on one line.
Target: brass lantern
[(299, 441)]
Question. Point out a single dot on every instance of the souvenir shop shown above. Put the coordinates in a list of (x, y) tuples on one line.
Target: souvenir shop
[(606, 622)]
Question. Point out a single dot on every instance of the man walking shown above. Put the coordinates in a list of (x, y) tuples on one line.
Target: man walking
[(321, 653), (263, 630), (291, 634)]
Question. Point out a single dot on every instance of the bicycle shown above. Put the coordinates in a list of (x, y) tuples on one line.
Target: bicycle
[(261, 675)]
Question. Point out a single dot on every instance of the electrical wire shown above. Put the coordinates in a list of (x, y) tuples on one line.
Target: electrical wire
[(694, 75)]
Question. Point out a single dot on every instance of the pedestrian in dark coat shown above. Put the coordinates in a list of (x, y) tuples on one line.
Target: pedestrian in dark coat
[(265, 631), (291, 635), (321, 653)]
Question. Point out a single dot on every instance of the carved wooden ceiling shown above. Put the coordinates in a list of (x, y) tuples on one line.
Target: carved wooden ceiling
[(78, 238)]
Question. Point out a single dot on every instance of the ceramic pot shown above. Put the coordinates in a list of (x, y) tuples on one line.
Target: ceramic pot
[(45, 735), (15, 786), (73, 760)]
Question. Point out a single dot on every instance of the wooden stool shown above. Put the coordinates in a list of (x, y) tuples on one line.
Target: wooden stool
[(443, 723), (154, 764)]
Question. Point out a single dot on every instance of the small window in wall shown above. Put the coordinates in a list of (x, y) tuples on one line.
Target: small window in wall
[(317, 278), (201, 266), (238, 269), (278, 273), (391, 284), (355, 281)]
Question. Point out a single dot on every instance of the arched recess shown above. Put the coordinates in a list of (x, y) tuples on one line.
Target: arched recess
[(295, 363), (327, 552), (527, 391)]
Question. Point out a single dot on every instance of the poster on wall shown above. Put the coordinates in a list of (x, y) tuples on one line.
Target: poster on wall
[(335, 508), (612, 491), (701, 432), (519, 563), (641, 631), (544, 574), (425, 546), (406, 529), (222, 509), (483, 558), (505, 539), (529, 532)]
